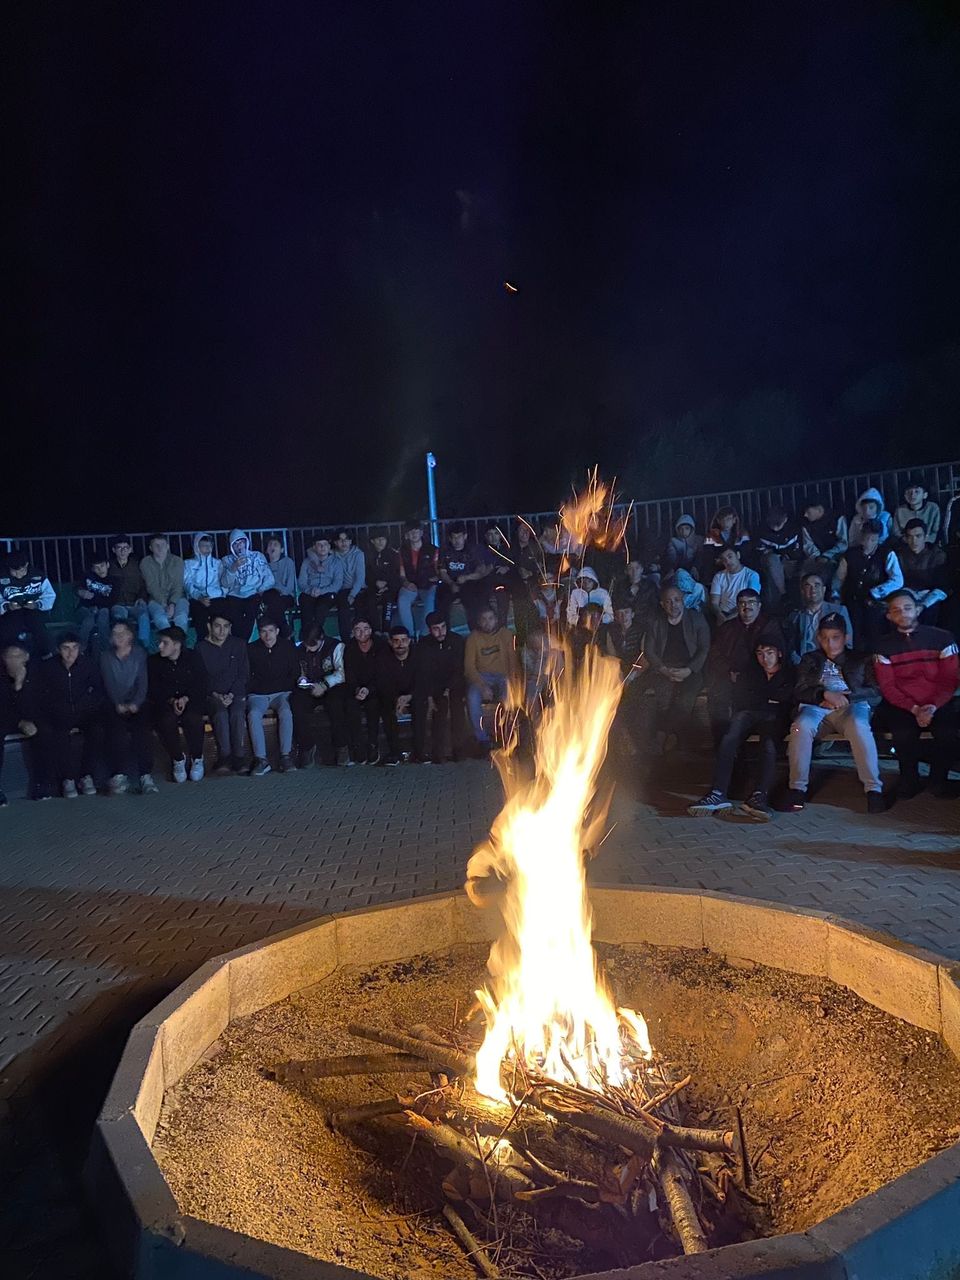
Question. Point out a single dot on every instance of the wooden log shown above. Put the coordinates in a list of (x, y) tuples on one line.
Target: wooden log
[(475, 1250), (438, 1057), (677, 1135), (622, 1130), (505, 1180), (682, 1213), (365, 1111), (353, 1064)]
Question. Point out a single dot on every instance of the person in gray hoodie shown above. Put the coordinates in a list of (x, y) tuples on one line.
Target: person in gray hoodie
[(354, 580), (683, 549), (869, 507), (123, 668), (320, 580), (282, 596), (201, 582), (244, 576)]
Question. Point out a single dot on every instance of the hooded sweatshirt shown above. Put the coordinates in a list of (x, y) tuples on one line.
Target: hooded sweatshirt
[(855, 529), (683, 553), (595, 594), (321, 577), (354, 571), (201, 575), (249, 577)]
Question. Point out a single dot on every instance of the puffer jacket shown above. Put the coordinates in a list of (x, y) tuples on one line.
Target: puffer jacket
[(201, 575), (855, 667), (244, 573)]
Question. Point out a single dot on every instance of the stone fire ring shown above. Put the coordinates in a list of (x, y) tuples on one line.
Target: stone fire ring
[(908, 1230)]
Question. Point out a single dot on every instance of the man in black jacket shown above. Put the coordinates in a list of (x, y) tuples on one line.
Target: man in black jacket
[(228, 670), (396, 673), (319, 714), (378, 599), (274, 673), (780, 550), (438, 694), (732, 651), (835, 693), (675, 649), (762, 704), (73, 701), (360, 657), (177, 693)]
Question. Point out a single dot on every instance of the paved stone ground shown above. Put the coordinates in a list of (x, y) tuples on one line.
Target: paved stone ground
[(108, 904)]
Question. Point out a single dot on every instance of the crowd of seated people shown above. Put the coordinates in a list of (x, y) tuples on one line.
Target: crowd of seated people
[(820, 625)]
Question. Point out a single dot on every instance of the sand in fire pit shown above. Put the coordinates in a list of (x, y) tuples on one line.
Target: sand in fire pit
[(837, 1099)]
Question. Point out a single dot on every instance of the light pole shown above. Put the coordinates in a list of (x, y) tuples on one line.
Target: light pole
[(432, 499)]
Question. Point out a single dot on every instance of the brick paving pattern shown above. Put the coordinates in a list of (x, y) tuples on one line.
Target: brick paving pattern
[(106, 907)]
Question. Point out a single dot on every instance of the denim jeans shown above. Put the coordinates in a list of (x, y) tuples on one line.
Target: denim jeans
[(136, 613), (257, 704), (853, 724), (93, 629), (422, 599), (181, 614), (498, 686)]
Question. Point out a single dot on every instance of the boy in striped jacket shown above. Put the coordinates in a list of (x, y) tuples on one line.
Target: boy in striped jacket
[(917, 671)]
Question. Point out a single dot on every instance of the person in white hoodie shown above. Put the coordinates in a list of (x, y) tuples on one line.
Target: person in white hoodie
[(244, 576), (588, 591), (201, 582), (869, 507)]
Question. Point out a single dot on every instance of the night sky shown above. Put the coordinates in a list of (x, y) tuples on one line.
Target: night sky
[(259, 252)]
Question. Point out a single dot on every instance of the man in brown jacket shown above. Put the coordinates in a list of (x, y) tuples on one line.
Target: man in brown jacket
[(163, 577), (490, 663)]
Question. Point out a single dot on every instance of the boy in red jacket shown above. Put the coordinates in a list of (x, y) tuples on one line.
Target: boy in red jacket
[(917, 671)]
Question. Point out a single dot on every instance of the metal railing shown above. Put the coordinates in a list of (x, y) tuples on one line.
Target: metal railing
[(65, 558)]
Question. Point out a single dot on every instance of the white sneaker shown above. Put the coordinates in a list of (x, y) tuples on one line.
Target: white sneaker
[(147, 785), (196, 771), (118, 784), (180, 770), (87, 787), (69, 789)]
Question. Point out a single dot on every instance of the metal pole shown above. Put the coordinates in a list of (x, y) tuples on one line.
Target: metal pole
[(432, 500)]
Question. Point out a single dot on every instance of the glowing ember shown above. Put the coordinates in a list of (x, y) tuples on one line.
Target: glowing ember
[(546, 1000), (591, 518)]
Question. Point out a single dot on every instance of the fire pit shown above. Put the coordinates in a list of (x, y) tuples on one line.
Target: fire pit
[(271, 999)]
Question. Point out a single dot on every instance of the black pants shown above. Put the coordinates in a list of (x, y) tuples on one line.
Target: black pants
[(375, 607), (169, 725), (58, 739), (906, 739), (446, 721), (391, 729), (771, 732), (129, 739), (320, 722), (242, 614), (275, 608), (668, 705), (363, 725), (314, 611), (345, 614), (26, 627), (719, 705)]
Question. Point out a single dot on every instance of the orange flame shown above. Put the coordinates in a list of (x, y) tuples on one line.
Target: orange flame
[(591, 519), (546, 1001)]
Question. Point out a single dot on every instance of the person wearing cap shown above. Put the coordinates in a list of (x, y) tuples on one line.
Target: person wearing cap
[(419, 574), (227, 664), (683, 551), (917, 505), (396, 683), (587, 590), (762, 704), (924, 568), (130, 593), (917, 670), (320, 582), (835, 694), (439, 686), (490, 662), (378, 600), (72, 701), (163, 577), (177, 694)]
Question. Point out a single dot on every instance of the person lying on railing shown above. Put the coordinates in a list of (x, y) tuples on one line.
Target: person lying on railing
[(924, 569), (917, 671), (835, 694), (917, 505), (762, 704), (26, 598)]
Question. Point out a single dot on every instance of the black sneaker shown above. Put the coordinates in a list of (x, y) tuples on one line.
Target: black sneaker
[(240, 765), (876, 802), (390, 762), (259, 768), (287, 765), (373, 755), (796, 799), (223, 766), (757, 807), (712, 802), (307, 755)]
